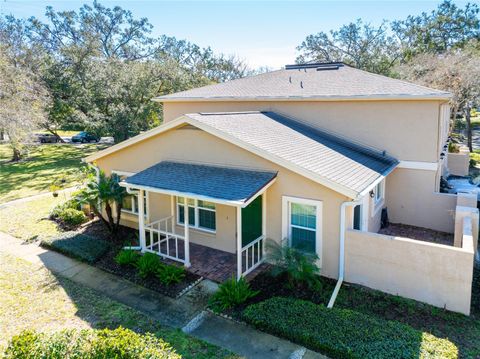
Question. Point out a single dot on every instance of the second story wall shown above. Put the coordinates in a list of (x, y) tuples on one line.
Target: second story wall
[(407, 130)]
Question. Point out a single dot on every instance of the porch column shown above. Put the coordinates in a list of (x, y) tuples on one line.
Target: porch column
[(187, 233), (172, 213), (239, 242), (141, 221)]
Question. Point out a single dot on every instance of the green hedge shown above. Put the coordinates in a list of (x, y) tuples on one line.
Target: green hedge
[(343, 333), (80, 246), (93, 344)]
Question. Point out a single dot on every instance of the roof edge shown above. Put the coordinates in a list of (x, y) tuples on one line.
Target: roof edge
[(434, 97)]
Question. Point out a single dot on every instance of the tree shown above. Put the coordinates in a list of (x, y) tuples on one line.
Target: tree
[(105, 194), (447, 27), (23, 99), (361, 45), (457, 71)]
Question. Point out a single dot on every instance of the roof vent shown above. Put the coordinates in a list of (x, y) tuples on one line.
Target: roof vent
[(319, 66)]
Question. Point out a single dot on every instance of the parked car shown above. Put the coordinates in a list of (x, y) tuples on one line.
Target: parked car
[(85, 137), (47, 138)]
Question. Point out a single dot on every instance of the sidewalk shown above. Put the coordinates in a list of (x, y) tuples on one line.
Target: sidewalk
[(186, 312), (36, 196)]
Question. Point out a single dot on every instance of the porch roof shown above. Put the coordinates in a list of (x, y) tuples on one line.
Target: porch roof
[(212, 183)]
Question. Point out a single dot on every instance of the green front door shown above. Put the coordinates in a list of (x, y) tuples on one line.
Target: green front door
[(252, 221)]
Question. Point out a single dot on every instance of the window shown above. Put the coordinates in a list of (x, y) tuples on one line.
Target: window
[(201, 214), (379, 192), (130, 204), (301, 224)]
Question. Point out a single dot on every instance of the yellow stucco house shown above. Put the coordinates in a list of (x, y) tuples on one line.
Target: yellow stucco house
[(311, 156)]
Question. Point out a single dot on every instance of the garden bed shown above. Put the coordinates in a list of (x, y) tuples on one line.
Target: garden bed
[(461, 330), (107, 263), (105, 260)]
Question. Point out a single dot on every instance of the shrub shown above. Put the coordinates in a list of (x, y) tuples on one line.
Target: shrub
[(59, 208), (170, 274), (343, 333), (453, 147), (127, 257), (76, 245), (95, 344), (148, 264), (72, 217), (299, 267), (231, 293)]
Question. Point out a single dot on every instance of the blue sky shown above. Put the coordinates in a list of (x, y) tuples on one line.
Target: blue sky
[(262, 33)]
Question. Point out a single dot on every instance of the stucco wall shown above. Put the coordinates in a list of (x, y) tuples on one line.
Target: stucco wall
[(459, 163), (408, 130), (196, 146), (411, 199), (433, 273)]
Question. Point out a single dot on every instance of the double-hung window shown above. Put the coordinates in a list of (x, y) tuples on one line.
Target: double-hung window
[(201, 214), (302, 224)]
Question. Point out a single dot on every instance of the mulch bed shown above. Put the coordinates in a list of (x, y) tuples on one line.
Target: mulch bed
[(129, 237), (108, 264), (417, 233)]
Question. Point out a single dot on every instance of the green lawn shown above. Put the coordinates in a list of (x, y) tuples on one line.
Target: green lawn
[(29, 220), (43, 165), (33, 298)]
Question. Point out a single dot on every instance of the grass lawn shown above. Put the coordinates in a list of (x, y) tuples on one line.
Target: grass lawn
[(43, 165), (29, 220), (35, 299)]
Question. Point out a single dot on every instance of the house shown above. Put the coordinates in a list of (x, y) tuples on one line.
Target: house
[(311, 155)]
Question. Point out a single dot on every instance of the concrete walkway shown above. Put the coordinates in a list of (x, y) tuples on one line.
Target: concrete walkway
[(186, 313), (36, 196)]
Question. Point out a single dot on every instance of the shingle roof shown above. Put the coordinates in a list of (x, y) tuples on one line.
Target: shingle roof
[(337, 162), (226, 184), (308, 83)]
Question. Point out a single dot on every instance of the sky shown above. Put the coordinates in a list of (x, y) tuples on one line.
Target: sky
[(263, 33)]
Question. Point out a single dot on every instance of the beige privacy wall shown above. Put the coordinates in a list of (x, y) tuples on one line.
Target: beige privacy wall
[(436, 274), (459, 163)]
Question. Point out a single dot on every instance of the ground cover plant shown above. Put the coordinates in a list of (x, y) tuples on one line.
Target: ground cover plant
[(62, 304), (78, 245), (344, 333), (44, 165), (461, 330)]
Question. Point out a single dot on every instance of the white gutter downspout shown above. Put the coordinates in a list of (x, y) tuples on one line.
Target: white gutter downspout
[(341, 260)]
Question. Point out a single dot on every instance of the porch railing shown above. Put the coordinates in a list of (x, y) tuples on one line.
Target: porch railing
[(253, 255), (161, 239)]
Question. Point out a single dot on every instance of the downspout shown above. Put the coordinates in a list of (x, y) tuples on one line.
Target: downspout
[(341, 260)]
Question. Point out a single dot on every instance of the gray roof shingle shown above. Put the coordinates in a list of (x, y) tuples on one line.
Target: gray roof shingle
[(226, 184), (335, 160), (345, 82)]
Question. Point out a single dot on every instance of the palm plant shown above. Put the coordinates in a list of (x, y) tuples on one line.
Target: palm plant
[(105, 194), (298, 266)]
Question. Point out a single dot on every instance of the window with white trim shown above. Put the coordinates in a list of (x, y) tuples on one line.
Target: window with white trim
[(301, 223), (379, 192), (201, 214), (130, 203)]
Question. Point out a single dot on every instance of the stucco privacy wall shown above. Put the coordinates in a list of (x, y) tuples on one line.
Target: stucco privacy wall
[(411, 199), (193, 145), (459, 163), (436, 274), (399, 127)]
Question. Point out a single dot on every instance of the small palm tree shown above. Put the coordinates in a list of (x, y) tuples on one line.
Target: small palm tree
[(106, 193), (298, 266)]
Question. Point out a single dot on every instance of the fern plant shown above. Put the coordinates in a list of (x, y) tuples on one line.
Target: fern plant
[(148, 265), (127, 257), (170, 274), (231, 293)]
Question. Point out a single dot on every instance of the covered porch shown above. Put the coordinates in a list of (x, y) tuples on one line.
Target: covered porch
[(201, 188)]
